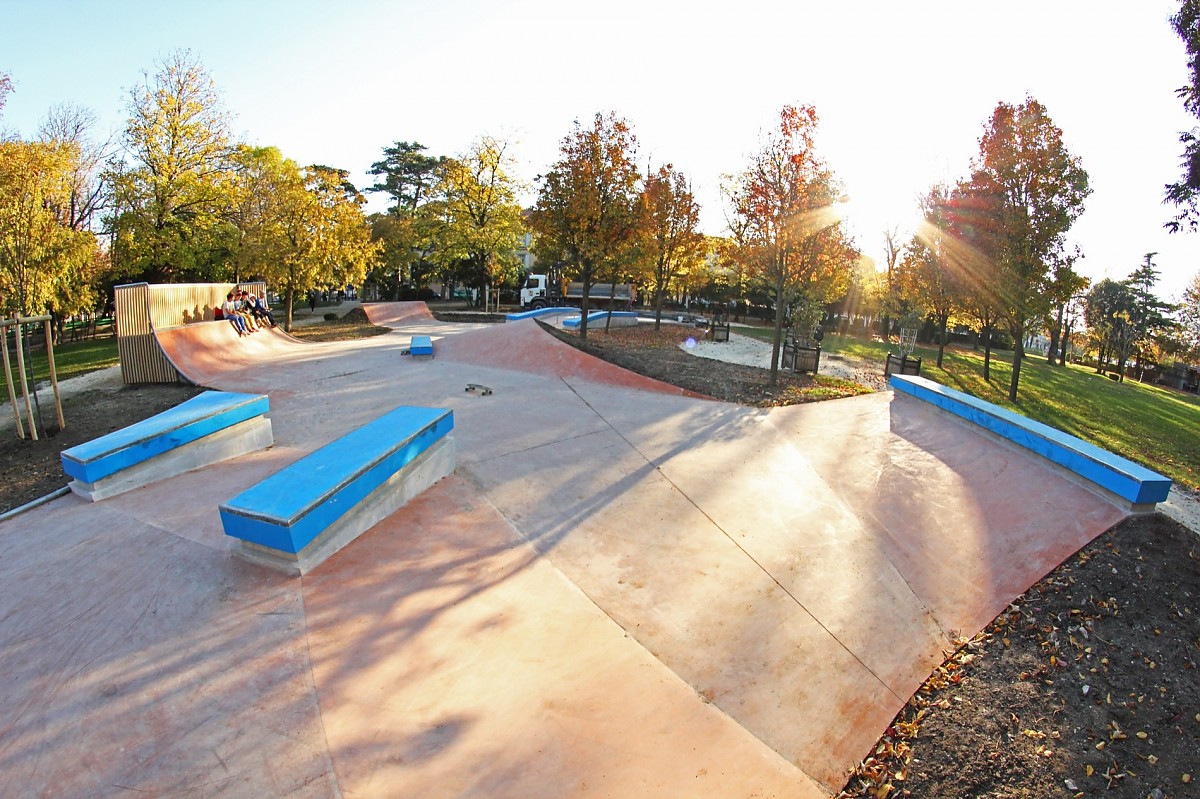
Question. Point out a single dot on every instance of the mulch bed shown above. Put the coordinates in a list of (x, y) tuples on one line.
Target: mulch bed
[(657, 354)]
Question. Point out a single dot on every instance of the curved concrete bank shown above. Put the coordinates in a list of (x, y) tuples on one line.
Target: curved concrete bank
[(621, 591)]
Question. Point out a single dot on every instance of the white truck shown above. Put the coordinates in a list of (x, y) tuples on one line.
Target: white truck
[(543, 291)]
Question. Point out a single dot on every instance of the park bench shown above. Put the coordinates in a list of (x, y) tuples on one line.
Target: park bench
[(210, 427), (421, 346), (901, 365), (304, 513), (718, 330), (1129, 484), (799, 357)]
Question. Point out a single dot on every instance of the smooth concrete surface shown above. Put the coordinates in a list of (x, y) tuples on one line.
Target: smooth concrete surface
[(1138, 486), (622, 591)]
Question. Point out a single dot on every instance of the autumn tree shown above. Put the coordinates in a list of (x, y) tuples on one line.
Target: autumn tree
[(585, 215), (1065, 286), (478, 219), (930, 276), (299, 230), (1185, 192), (171, 191), (1033, 190), (44, 262), (796, 243), (1109, 314), (74, 127), (670, 241), (1189, 316)]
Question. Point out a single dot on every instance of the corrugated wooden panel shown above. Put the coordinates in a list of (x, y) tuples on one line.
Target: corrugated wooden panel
[(173, 304), (142, 361)]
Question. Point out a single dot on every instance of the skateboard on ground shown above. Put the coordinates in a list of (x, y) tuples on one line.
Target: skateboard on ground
[(476, 388)]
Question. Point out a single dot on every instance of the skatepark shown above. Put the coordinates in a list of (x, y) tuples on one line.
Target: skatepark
[(621, 589)]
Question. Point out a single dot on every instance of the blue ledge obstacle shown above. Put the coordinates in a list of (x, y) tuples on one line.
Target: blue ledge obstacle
[(557, 311), (207, 428), (307, 511), (1138, 487), (421, 345), (626, 317)]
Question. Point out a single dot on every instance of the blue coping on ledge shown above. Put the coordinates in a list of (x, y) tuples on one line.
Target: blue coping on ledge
[(517, 317), (289, 509), (596, 316), (421, 345), (1128, 480), (189, 421)]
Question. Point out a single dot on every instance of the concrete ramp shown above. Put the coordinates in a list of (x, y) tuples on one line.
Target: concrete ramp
[(621, 591), (203, 352), (397, 314), (525, 347)]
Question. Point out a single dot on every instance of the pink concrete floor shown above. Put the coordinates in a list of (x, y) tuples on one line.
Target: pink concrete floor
[(622, 591)]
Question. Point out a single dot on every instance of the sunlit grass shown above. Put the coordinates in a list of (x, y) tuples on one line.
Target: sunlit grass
[(70, 360), (1147, 424), (1153, 426)]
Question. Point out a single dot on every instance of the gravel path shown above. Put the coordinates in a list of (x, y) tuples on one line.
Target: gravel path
[(750, 351)]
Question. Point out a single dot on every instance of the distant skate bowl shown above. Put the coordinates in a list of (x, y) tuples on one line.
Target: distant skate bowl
[(623, 589)]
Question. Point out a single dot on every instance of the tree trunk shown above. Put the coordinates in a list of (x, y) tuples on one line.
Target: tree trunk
[(583, 301), (1055, 331), (1064, 345), (658, 301), (942, 320), (778, 337), (287, 319), (1018, 355), (987, 353)]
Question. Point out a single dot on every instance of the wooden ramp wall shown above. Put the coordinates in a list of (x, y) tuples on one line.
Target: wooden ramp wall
[(142, 308)]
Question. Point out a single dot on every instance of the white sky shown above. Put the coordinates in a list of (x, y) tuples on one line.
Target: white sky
[(903, 88)]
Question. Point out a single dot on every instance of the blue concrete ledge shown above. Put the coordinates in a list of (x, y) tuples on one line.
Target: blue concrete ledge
[(187, 422), (1132, 482), (599, 316), (287, 511), (421, 345), (517, 317)]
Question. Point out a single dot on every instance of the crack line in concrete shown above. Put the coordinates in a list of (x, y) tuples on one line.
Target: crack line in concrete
[(733, 541)]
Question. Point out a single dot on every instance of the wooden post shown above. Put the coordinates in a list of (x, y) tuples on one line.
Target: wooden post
[(24, 383), (12, 393), (62, 423)]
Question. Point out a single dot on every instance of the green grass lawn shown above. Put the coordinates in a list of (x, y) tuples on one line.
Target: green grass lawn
[(1153, 426), (70, 360)]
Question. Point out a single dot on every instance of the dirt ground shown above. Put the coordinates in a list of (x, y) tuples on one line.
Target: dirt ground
[(1087, 686)]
